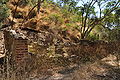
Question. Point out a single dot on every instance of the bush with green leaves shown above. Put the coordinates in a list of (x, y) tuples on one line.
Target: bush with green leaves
[(114, 35), (93, 36), (65, 13), (4, 10), (56, 18)]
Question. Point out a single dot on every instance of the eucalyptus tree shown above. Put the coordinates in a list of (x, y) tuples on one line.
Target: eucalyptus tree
[(94, 12)]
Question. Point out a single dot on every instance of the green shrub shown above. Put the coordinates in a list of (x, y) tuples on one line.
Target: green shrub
[(4, 11), (75, 18), (93, 36), (56, 18), (65, 13), (68, 24)]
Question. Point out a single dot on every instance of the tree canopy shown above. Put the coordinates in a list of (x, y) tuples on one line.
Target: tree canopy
[(88, 13)]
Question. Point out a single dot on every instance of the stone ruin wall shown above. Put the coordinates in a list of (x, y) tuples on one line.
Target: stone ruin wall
[(16, 47), (99, 49), (93, 50)]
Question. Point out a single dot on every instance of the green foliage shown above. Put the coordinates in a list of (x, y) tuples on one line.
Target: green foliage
[(4, 11), (31, 2), (45, 4), (89, 14), (68, 24), (56, 18), (111, 3), (75, 18), (1, 24), (114, 35), (69, 13), (3, 1), (113, 20), (93, 36), (64, 29), (65, 13)]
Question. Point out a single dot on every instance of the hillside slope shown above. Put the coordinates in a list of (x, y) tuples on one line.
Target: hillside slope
[(50, 16)]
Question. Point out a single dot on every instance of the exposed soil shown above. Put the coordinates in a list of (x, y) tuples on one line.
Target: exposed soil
[(104, 69)]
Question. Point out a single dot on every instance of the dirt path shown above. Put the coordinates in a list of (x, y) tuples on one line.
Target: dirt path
[(105, 69)]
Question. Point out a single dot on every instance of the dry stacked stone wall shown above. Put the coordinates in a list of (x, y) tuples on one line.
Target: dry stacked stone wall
[(88, 50), (17, 47)]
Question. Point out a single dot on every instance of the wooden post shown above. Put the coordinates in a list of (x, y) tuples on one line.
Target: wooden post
[(7, 63)]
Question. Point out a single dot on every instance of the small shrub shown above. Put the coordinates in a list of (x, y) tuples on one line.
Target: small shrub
[(68, 24), (93, 37), (4, 11), (65, 13), (56, 18)]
